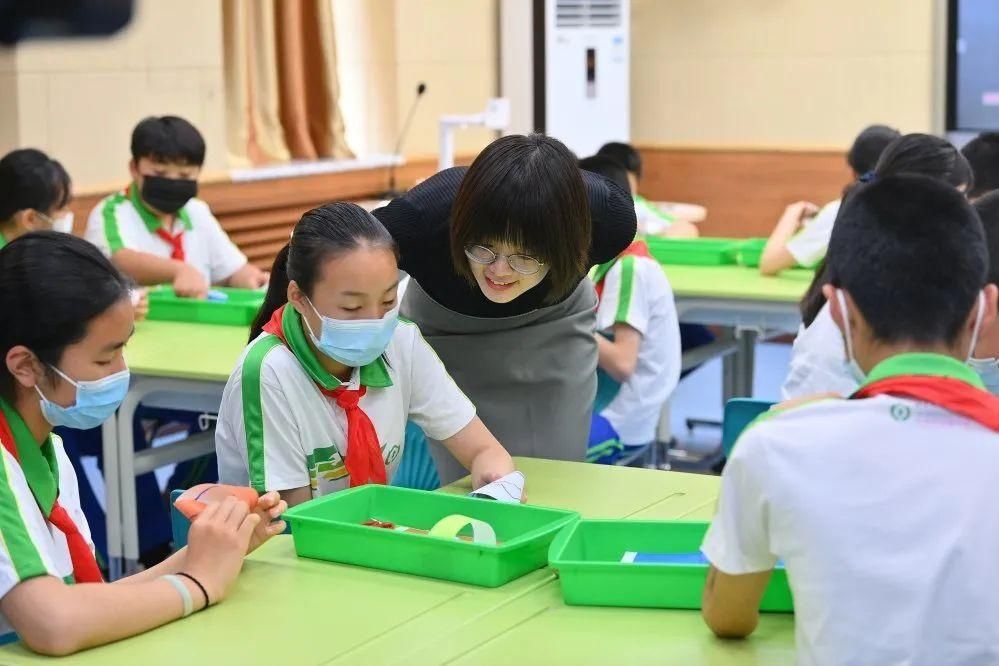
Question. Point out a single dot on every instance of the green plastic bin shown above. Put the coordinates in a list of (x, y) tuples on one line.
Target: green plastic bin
[(693, 251), (750, 252), (330, 528), (587, 557), (239, 310)]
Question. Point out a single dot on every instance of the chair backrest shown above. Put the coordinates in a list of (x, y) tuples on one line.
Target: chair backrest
[(178, 523), (417, 468), (739, 413)]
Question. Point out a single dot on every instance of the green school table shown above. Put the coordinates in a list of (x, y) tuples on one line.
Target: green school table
[(174, 366), (289, 610), (741, 299)]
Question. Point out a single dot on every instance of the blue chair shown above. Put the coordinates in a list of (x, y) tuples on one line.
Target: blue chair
[(739, 413), (178, 523), (417, 468)]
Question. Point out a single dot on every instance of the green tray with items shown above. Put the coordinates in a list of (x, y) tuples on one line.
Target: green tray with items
[(750, 252), (383, 527), (648, 564), (225, 306), (694, 251)]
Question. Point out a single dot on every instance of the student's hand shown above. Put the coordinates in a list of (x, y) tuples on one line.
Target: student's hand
[(490, 466), (190, 283), (249, 277), (218, 540), (802, 211), (270, 506), (140, 303)]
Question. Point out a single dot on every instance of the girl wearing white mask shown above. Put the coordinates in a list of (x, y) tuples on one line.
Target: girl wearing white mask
[(35, 192), (320, 398), (68, 318)]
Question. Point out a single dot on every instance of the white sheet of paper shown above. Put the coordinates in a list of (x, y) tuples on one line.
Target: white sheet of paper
[(509, 488)]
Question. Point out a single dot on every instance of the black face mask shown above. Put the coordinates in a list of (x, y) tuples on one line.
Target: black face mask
[(168, 195)]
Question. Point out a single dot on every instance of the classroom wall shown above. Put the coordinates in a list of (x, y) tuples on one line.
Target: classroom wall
[(79, 99), (779, 73)]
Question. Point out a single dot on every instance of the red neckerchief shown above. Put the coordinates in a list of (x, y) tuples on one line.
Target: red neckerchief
[(176, 242), (636, 249), (950, 394), (85, 569), (364, 456)]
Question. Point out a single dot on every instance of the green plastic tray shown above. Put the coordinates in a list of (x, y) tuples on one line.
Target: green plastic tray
[(588, 555), (331, 529), (239, 310), (694, 251), (750, 252)]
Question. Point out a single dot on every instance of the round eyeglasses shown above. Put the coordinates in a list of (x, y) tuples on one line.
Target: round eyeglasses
[(524, 264)]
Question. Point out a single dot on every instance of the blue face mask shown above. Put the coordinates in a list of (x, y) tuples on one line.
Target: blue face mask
[(988, 370), (354, 342), (95, 402)]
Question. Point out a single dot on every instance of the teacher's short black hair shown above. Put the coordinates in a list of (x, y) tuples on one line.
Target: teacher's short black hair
[(607, 167), (526, 191), (168, 139), (910, 251), (982, 154), (624, 153)]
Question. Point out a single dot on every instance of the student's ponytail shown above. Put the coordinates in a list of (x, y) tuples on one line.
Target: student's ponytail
[(322, 234), (277, 293)]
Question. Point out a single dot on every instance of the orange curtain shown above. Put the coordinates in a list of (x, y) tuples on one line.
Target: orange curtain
[(282, 90)]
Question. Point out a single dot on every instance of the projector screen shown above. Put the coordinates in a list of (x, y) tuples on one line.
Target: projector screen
[(973, 66)]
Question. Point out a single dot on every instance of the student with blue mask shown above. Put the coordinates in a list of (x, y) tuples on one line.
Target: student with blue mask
[(986, 358), (69, 317), (320, 398)]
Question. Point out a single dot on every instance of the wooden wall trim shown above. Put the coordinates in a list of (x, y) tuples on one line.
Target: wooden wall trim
[(745, 191)]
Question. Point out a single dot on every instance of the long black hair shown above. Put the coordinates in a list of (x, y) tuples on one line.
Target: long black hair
[(922, 154), (31, 179), (322, 234), (51, 286)]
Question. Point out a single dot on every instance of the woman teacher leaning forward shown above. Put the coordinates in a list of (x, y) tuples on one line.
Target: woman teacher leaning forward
[(499, 253)]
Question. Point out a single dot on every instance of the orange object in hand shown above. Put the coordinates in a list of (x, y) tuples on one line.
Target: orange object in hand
[(196, 499)]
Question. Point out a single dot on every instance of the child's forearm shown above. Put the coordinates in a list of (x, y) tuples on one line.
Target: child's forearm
[(57, 619), (172, 564), (146, 268)]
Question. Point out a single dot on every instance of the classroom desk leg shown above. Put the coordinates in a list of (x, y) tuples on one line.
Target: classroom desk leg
[(738, 368), (129, 519), (112, 496)]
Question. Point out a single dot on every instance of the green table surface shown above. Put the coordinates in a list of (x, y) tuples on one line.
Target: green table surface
[(185, 350), (284, 609), (737, 282)]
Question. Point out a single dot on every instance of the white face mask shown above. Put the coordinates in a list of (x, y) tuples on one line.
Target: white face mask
[(988, 371), (63, 224), (858, 373)]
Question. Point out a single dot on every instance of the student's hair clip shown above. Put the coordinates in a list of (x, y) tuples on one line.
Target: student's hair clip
[(867, 177)]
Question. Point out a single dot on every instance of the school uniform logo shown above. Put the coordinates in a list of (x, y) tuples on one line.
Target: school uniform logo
[(900, 412)]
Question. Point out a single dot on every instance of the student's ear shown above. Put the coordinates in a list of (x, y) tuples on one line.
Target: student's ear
[(991, 293), (829, 292), (27, 220), (24, 366), (296, 297), (133, 170)]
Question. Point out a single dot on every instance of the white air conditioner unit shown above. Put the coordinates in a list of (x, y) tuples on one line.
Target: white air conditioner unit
[(564, 65)]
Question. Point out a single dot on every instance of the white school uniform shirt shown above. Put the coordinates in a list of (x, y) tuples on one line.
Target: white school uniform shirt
[(637, 293), (818, 361), (30, 546), (652, 220), (809, 246), (882, 511), (277, 431), (122, 221)]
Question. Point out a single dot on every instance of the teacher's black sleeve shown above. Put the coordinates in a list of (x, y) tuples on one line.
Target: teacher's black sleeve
[(613, 213), (419, 222)]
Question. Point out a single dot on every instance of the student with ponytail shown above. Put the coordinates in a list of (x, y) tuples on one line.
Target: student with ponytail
[(68, 317), (320, 398)]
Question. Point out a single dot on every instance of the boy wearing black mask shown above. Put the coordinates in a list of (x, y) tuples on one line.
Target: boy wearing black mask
[(155, 230)]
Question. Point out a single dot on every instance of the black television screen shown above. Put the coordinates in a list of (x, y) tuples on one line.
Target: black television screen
[(973, 65)]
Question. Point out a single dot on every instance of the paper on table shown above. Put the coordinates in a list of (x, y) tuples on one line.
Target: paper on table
[(509, 488)]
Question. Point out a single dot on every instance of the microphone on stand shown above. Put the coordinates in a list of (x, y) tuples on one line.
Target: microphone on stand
[(392, 192)]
